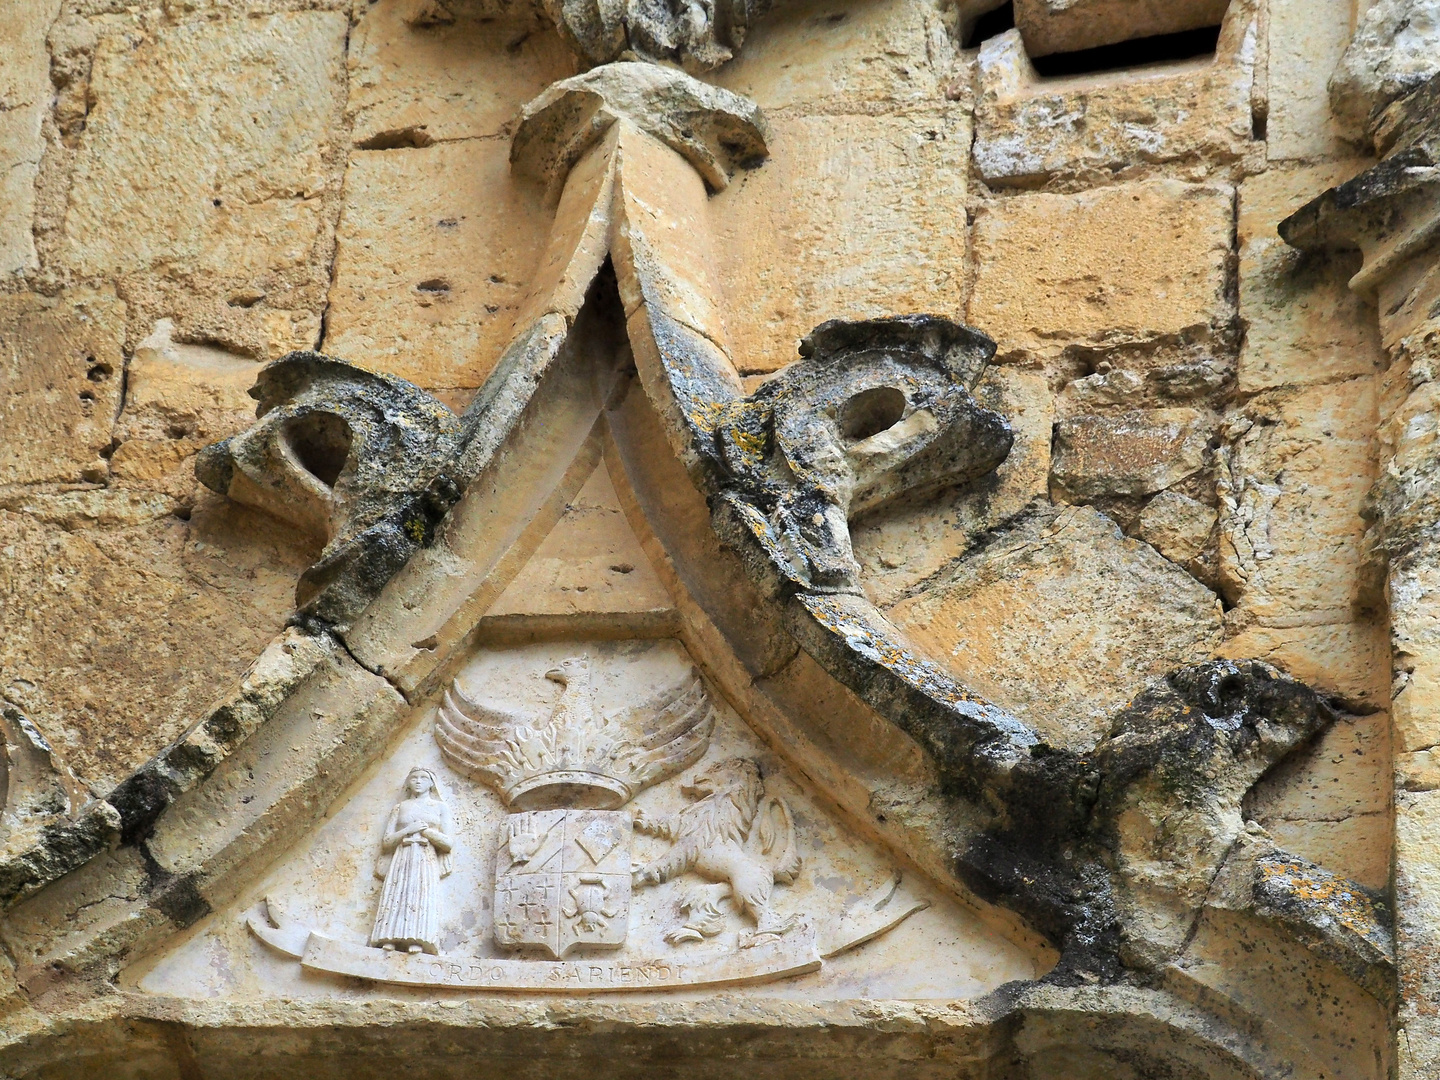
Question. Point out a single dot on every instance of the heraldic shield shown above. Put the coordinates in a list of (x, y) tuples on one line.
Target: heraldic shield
[(562, 879)]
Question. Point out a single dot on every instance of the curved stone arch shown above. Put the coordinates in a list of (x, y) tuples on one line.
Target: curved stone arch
[(341, 681)]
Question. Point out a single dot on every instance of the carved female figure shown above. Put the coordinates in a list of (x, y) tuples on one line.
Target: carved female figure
[(415, 856)]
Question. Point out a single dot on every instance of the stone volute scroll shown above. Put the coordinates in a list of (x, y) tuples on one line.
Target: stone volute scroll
[(416, 854), (876, 409)]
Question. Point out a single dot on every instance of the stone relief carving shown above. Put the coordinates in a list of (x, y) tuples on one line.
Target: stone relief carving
[(565, 882), (698, 34), (734, 836), (415, 856), (876, 409)]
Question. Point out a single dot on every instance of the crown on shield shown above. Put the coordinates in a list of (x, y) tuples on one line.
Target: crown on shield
[(576, 756)]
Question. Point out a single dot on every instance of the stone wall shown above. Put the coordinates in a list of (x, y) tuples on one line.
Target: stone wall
[(192, 189)]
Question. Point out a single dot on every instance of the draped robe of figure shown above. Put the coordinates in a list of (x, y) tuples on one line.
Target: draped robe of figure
[(417, 839)]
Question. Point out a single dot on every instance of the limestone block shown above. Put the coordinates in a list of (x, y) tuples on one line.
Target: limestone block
[(1028, 127), (114, 640), (1306, 41), (1176, 525), (152, 195), (590, 562), (850, 218), (1294, 472), (1052, 26), (1417, 710), (61, 370), (412, 84), (900, 547), (435, 248), (823, 57), (1303, 324), (1396, 47), (1131, 453), (178, 398), (24, 98), (1135, 263), (1348, 659), (1062, 620)]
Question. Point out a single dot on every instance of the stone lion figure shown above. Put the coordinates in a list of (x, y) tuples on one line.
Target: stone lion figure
[(713, 838)]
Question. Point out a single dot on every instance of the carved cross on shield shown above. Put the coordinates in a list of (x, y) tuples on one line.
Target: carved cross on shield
[(562, 879)]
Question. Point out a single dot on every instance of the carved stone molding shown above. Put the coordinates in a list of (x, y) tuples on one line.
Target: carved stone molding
[(698, 34), (713, 129)]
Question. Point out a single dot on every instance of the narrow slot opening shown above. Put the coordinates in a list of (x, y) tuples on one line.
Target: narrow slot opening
[(1160, 49)]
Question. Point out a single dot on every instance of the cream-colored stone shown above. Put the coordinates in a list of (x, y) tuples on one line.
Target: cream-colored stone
[(1347, 659), (1176, 525), (187, 606), (1053, 26), (900, 547), (1303, 324), (178, 398), (415, 84), (1345, 772), (24, 96), (151, 193), (1394, 49), (434, 250), (851, 217), (662, 243), (61, 372), (1132, 263), (330, 880), (1306, 41), (1130, 453), (1357, 847), (1062, 619), (591, 562), (1029, 128), (1417, 710), (819, 57), (1295, 469)]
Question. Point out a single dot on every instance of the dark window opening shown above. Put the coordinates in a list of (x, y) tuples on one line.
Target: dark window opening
[(990, 24), (1161, 49)]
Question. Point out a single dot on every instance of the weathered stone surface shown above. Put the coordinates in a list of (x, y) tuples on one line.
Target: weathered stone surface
[(1052, 26), (24, 96), (1029, 129), (61, 372), (110, 692), (1176, 525), (1294, 470), (434, 250), (1132, 263), (1396, 47), (178, 398), (1303, 324), (1062, 592), (1331, 801), (813, 57), (1131, 453), (714, 130), (348, 455), (590, 562), (413, 84), (852, 218), (901, 546), (249, 227), (1306, 41)]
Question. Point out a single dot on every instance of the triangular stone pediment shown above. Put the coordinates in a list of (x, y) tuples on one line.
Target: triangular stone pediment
[(728, 872)]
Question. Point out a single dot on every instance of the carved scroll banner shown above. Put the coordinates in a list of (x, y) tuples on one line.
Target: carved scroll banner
[(796, 953)]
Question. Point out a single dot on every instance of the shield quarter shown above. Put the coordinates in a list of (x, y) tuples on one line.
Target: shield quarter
[(562, 879)]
